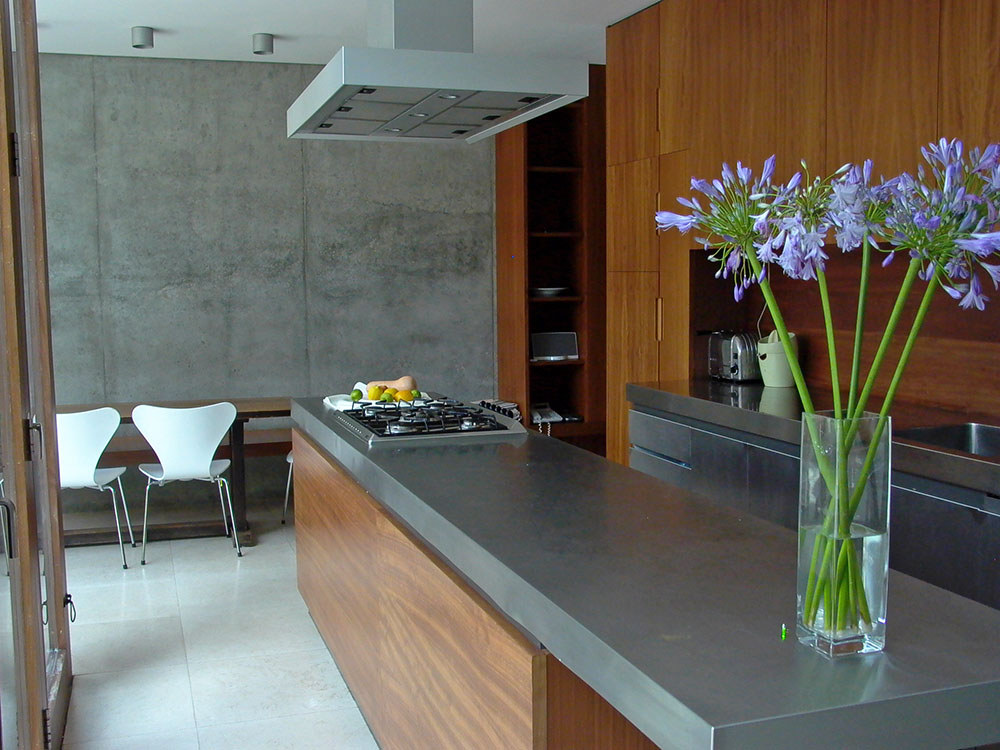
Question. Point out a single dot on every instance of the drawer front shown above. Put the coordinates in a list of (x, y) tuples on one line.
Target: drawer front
[(655, 466), (661, 436)]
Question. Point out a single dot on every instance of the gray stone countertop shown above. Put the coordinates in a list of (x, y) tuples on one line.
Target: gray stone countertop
[(775, 413), (670, 607)]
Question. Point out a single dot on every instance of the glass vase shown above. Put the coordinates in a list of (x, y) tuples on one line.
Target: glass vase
[(843, 563)]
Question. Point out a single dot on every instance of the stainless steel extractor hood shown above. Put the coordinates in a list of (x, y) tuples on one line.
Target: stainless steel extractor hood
[(428, 86)]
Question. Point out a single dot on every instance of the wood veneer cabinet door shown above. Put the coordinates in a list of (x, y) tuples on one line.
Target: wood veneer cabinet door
[(631, 197), (757, 82), (633, 73), (456, 675), (512, 265), (335, 535), (632, 348), (675, 75), (882, 82), (675, 260), (970, 69)]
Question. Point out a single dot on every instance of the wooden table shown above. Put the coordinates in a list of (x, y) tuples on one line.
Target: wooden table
[(246, 408)]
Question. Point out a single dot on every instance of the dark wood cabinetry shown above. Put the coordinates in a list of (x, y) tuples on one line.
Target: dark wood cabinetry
[(828, 81), (970, 68), (756, 83), (882, 82), (634, 46), (550, 236), (430, 662)]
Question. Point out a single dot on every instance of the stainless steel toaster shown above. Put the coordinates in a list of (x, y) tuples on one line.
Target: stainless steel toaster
[(732, 356)]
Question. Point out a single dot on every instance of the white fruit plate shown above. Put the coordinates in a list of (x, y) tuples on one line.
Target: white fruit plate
[(343, 402)]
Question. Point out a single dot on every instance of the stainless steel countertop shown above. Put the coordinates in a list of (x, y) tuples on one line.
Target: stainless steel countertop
[(774, 413), (671, 607)]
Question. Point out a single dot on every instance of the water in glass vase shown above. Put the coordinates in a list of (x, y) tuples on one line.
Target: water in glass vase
[(842, 595)]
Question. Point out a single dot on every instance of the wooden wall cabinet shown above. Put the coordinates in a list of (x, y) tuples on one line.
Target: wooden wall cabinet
[(828, 81), (551, 234), (429, 661), (970, 69), (633, 73), (632, 238), (633, 353), (882, 82), (756, 83)]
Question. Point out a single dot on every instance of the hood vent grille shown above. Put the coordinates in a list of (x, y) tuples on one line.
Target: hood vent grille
[(375, 93)]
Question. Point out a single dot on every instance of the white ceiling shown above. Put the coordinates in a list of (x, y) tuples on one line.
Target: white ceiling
[(311, 31)]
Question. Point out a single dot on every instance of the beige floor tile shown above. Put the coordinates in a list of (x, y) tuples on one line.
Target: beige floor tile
[(248, 628), (238, 630), (247, 589), (343, 729), (89, 566), (185, 740), (113, 705), (237, 690), (197, 558), (138, 599), (127, 644)]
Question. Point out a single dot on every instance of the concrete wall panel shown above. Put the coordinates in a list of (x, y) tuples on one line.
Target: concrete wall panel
[(220, 259)]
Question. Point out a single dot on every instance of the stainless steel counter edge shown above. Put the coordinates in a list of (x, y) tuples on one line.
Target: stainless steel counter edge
[(944, 466), (608, 570)]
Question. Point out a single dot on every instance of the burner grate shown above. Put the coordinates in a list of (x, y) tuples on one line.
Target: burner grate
[(430, 417)]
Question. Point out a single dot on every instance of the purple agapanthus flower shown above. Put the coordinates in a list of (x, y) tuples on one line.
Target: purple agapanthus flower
[(670, 220), (946, 217), (974, 297)]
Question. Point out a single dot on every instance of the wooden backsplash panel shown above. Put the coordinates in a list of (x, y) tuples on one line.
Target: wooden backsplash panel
[(954, 364)]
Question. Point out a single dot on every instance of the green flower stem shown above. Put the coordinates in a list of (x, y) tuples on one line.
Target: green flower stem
[(845, 564), (841, 492), (831, 343), (859, 325), (890, 394), (779, 325), (883, 347)]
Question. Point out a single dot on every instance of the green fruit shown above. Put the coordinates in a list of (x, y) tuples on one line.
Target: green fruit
[(356, 395), (386, 397), (416, 394)]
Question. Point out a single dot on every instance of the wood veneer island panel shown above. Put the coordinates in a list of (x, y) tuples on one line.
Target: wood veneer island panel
[(432, 664)]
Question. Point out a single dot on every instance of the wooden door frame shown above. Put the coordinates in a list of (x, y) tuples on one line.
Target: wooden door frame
[(28, 437)]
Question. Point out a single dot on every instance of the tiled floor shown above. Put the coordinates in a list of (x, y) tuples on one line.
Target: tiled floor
[(201, 649)]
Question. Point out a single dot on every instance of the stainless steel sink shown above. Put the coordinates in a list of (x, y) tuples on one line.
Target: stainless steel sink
[(969, 437)]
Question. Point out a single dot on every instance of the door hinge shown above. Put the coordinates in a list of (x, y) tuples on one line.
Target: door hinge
[(29, 425), (15, 156), (46, 729)]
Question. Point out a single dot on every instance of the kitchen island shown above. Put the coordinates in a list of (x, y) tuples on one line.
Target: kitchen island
[(587, 575)]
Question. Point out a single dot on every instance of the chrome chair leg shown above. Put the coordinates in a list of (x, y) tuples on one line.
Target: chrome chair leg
[(232, 516), (118, 524), (145, 515), (128, 521), (288, 488), (222, 504)]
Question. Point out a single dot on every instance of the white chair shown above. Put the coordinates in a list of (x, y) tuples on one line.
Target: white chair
[(185, 441), (81, 438), (288, 484)]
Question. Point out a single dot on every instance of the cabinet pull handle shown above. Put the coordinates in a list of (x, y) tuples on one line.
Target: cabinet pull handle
[(659, 318)]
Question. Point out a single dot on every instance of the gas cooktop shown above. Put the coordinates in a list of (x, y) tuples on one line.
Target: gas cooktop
[(426, 419)]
